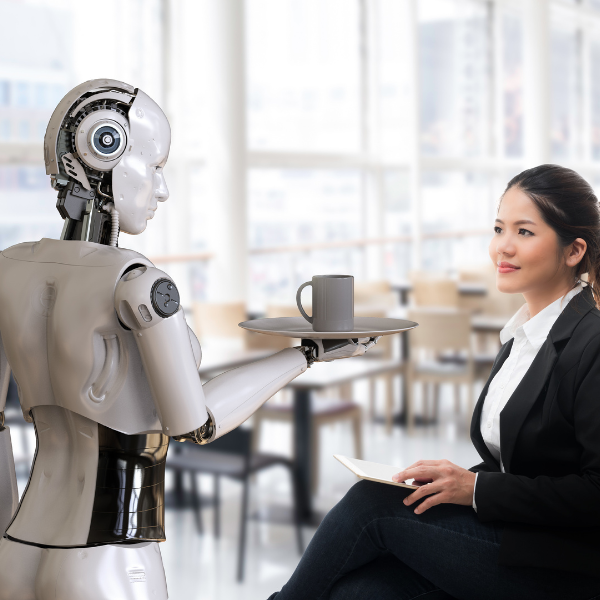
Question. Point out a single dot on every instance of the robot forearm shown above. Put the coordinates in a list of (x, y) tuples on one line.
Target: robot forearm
[(234, 396)]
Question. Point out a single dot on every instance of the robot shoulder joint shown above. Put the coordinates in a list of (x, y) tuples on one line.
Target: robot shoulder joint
[(144, 297)]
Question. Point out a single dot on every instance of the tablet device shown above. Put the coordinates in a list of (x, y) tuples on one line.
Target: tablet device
[(373, 471)]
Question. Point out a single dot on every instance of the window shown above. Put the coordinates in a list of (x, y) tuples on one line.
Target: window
[(22, 94), (565, 72), (4, 93), (303, 75), (454, 77)]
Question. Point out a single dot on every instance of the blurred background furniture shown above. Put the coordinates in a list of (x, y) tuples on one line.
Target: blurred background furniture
[(325, 411), (433, 290), (440, 331), (230, 456), (218, 322), (319, 377)]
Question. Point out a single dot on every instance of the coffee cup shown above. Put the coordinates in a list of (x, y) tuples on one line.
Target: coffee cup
[(332, 302)]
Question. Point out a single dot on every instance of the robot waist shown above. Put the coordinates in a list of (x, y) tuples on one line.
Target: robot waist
[(91, 485)]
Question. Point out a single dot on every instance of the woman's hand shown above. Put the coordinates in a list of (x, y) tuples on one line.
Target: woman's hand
[(441, 480)]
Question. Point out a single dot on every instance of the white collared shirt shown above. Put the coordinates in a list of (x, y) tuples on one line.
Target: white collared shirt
[(529, 333)]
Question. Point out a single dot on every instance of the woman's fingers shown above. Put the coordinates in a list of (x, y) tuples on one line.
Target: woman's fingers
[(421, 492), (420, 472), (429, 502)]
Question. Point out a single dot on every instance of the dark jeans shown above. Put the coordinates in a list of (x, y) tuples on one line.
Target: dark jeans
[(372, 546)]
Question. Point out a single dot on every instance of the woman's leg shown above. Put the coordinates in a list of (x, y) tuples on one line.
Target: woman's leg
[(386, 578), (447, 545)]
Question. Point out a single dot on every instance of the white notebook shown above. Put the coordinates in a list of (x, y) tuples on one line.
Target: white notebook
[(373, 471)]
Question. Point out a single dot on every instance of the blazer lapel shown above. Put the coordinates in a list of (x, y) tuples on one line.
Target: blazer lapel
[(476, 437), (527, 392)]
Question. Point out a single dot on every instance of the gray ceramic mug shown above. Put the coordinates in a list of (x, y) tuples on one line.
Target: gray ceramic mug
[(332, 302)]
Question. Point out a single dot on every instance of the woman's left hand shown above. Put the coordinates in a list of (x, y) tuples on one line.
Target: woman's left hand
[(449, 484)]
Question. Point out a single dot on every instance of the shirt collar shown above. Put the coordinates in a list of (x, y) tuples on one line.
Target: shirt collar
[(537, 328)]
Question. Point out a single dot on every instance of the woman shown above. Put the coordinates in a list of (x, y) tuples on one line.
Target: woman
[(525, 523)]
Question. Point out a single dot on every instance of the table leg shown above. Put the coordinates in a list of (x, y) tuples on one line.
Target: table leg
[(302, 452), (405, 357)]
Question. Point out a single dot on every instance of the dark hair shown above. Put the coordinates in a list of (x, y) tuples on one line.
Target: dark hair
[(568, 204)]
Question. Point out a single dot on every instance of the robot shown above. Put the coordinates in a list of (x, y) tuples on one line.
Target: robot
[(106, 366)]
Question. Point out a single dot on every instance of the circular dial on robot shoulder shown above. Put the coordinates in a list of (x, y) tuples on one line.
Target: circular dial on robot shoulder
[(164, 297)]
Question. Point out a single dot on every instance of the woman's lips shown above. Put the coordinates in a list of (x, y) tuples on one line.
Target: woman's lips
[(507, 269)]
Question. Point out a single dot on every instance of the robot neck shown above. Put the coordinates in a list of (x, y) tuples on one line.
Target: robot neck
[(85, 216)]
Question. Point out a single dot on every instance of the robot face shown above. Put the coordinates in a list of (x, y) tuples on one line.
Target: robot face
[(138, 182)]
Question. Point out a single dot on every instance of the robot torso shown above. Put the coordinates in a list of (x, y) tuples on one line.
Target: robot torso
[(98, 474)]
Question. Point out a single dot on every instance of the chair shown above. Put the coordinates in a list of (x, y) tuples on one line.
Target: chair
[(231, 456), (218, 321), (383, 350), (433, 291), (484, 274), (324, 412), (439, 331), (374, 293)]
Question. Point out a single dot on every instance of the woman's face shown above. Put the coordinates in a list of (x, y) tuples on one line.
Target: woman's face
[(522, 239)]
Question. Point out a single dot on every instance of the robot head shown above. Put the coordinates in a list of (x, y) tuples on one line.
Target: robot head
[(106, 143)]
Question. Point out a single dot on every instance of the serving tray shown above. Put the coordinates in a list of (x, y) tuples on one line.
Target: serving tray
[(298, 327)]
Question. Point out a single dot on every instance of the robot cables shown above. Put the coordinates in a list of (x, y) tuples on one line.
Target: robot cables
[(114, 230)]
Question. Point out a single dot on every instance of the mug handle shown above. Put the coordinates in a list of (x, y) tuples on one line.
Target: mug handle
[(299, 301)]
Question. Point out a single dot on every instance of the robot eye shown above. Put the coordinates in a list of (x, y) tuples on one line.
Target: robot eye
[(107, 140)]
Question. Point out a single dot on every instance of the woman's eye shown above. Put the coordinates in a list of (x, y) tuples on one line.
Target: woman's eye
[(499, 230)]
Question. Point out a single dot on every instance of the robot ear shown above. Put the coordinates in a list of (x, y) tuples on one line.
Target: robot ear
[(101, 139), (75, 170)]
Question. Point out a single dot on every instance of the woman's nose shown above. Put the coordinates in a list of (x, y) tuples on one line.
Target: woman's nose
[(505, 245)]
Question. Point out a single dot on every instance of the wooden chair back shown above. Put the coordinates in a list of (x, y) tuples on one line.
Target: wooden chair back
[(435, 292), (216, 320), (440, 330)]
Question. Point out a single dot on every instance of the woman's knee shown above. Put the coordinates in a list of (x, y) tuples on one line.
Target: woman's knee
[(367, 500)]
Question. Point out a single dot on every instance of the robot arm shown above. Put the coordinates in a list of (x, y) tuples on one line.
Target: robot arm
[(147, 302), (235, 395)]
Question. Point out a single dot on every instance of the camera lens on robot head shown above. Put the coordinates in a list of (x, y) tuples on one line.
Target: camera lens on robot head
[(101, 139), (106, 140)]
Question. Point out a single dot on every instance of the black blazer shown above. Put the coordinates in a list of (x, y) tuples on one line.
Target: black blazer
[(549, 496)]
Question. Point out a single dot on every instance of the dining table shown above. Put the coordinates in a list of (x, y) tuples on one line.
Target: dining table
[(465, 288)]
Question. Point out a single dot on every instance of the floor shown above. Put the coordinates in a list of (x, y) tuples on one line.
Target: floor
[(203, 568)]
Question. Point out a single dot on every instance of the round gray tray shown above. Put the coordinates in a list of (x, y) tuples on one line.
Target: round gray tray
[(298, 327)]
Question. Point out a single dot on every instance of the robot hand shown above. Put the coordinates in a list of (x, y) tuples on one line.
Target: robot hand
[(328, 350)]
